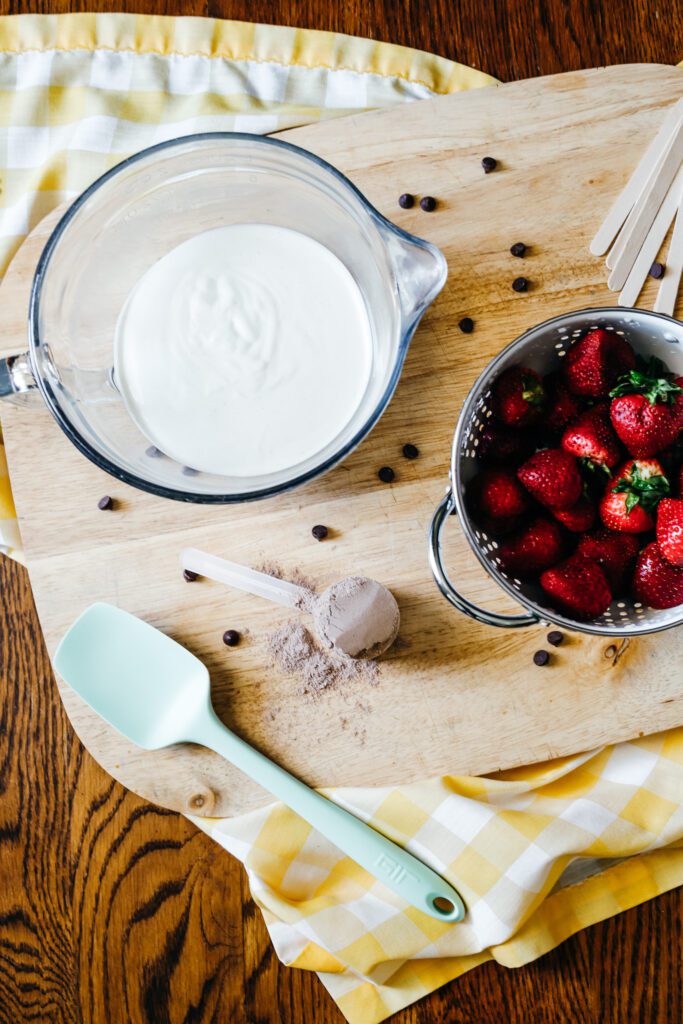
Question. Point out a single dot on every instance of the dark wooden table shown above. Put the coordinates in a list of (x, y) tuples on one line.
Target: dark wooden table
[(113, 911)]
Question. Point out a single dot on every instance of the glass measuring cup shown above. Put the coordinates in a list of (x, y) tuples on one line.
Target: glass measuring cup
[(147, 205)]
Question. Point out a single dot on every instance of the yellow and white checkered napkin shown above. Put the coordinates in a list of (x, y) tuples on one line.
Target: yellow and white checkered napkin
[(537, 853)]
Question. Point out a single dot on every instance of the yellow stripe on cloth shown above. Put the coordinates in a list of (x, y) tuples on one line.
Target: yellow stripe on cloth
[(538, 853)]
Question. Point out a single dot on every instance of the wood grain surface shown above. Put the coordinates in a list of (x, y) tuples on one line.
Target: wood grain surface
[(114, 911), (433, 710)]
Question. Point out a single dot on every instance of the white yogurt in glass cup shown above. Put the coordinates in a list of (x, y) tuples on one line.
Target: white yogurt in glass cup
[(244, 350), (228, 300)]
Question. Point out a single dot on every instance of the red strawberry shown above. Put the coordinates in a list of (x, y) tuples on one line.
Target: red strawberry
[(647, 411), (670, 530), (561, 405), (632, 496), (535, 548), (578, 587), (657, 582), (518, 396), (615, 552), (594, 365), (501, 446), (578, 518), (498, 500), (591, 437), (552, 476)]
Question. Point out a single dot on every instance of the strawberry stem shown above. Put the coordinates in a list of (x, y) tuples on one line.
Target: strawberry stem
[(646, 491), (651, 379)]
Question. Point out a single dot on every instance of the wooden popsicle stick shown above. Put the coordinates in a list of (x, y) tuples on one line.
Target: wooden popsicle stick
[(617, 250), (652, 244), (622, 206), (668, 289), (622, 240), (645, 211)]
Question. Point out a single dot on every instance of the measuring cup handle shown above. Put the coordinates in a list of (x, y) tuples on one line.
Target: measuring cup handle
[(441, 514)]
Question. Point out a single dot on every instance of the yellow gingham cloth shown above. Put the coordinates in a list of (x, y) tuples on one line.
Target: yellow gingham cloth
[(537, 853)]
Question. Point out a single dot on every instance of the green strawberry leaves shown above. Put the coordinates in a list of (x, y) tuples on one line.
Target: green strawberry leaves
[(650, 378), (595, 467), (646, 491), (532, 390)]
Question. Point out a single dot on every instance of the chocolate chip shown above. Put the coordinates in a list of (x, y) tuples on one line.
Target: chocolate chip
[(320, 532), (105, 503), (190, 576), (489, 164), (657, 271), (466, 325), (520, 284), (555, 638), (406, 201), (386, 474), (231, 638), (410, 451), (428, 203), (189, 471), (541, 658), (518, 249)]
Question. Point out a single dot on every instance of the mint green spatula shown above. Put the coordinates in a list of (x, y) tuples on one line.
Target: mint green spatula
[(156, 693)]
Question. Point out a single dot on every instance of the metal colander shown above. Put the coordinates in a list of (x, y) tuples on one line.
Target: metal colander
[(542, 349)]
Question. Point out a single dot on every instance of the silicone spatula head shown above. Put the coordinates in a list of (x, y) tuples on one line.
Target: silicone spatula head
[(139, 680)]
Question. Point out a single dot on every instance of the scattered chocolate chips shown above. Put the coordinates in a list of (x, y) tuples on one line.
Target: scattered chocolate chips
[(541, 658), (406, 201), (320, 532), (520, 284), (657, 271), (428, 203), (466, 325), (190, 576), (489, 164), (153, 452), (105, 503), (386, 474), (518, 249), (231, 638), (410, 451), (555, 638)]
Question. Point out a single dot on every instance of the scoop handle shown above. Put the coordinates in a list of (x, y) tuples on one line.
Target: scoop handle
[(395, 867), (243, 578)]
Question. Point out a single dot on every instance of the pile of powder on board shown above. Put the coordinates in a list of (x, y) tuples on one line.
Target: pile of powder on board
[(295, 652)]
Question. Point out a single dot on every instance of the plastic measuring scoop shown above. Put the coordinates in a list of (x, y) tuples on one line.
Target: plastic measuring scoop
[(156, 693), (357, 617)]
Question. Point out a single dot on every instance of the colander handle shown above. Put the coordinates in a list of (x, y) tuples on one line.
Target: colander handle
[(443, 511)]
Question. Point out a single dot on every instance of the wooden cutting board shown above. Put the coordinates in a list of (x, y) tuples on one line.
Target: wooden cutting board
[(455, 697)]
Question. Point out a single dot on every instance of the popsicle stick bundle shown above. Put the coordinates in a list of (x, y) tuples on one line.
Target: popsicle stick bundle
[(633, 231)]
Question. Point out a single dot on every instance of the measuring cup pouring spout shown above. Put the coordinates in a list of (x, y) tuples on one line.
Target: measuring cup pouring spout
[(420, 272)]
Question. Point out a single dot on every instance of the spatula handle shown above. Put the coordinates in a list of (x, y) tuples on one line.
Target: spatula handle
[(395, 867)]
